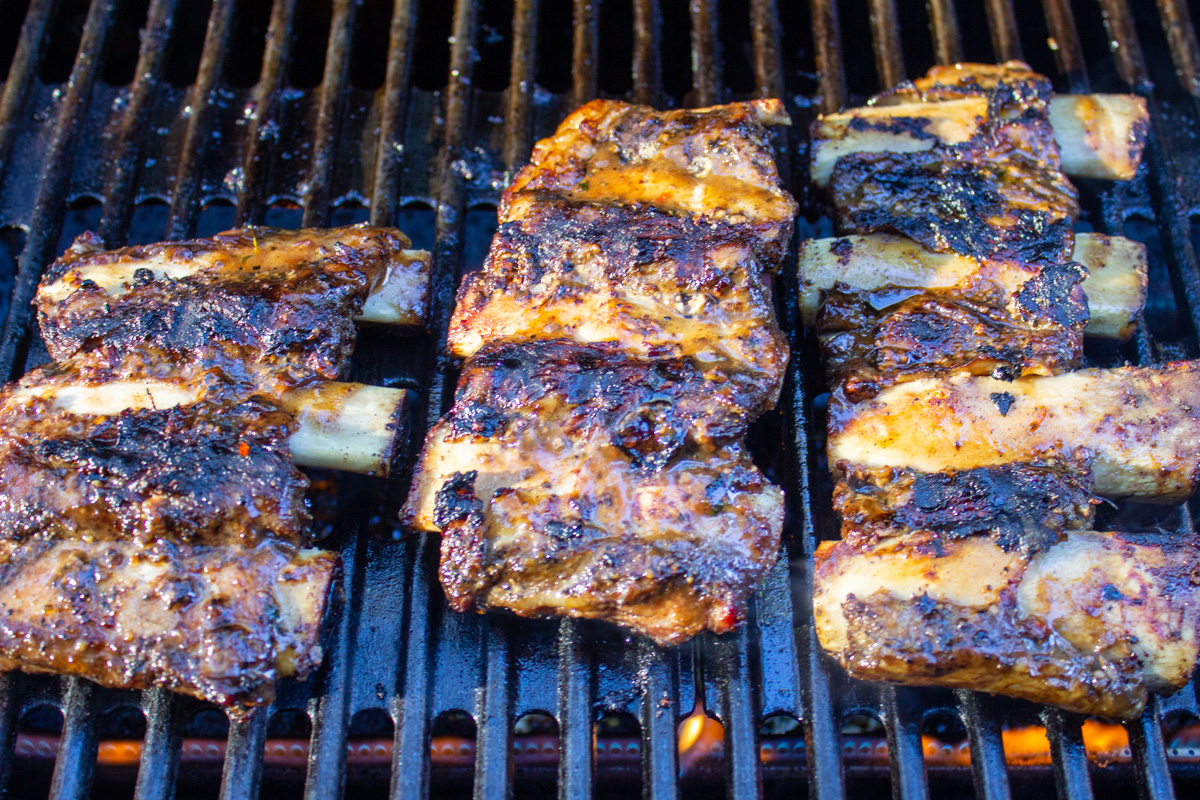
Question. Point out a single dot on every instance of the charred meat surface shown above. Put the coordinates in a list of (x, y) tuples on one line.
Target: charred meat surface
[(620, 339), (713, 164), (659, 285), (873, 339), (577, 481), (222, 623), (1098, 135), (1023, 506), (261, 295), (999, 194), (213, 469), (1090, 624), (1137, 427), (996, 197), (886, 269)]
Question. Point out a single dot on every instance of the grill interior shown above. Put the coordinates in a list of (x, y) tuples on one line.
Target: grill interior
[(153, 119)]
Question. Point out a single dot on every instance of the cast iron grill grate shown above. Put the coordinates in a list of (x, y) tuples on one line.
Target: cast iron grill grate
[(168, 118)]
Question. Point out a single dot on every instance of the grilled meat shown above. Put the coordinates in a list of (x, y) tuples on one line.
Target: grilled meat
[(984, 200), (995, 198), (152, 518), (221, 623), (258, 295), (710, 164), (999, 194), (210, 465), (873, 339), (620, 338), (1025, 506), (576, 480), (658, 285), (965, 462), (1091, 623), (1099, 135), (885, 269), (1136, 427)]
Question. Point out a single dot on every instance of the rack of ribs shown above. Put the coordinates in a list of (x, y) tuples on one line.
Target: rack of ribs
[(619, 340), (153, 524), (967, 445)]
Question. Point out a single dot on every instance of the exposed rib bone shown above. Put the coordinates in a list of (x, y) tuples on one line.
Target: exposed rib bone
[(390, 302), (349, 426), (1089, 624), (1138, 426), (1116, 288), (1099, 135)]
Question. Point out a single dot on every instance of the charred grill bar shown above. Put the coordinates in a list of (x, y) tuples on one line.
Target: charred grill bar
[(424, 137)]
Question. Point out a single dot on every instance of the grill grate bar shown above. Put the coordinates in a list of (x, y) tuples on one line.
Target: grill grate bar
[(21, 74), (768, 68), (825, 778), (1002, 22), (46, 224), (410, 768), (333, 89), (647, 71), (1181, 37), (410, 765), (583, 60), (1131, 66), (827, 43), (242, 771), (9, 705), (181, 223), (389, 158), (706, 58), (659, 750), (576, 757), (1172, 222), (885, 33), (329, 708), (493, 748), (1068, 756), (987, 748), (122, 182), (943, 24), (76, 762), (730, 658), (1150, 754), (518, 128), (161, 745), (1068, 53), (902, 715), (276, 55)]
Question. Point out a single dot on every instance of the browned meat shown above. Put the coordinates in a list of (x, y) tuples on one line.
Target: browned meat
[(887, 269), (999, 194), (620, 338), (215, 468), (965, 460), (871, 339), (259, 295), (1022, 506), (575, 480), (712, 164), (221, 623), (1091, 623), (658, 285), (1136, 427)]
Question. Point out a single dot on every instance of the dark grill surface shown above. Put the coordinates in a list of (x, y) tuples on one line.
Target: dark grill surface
[(171, 118)]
